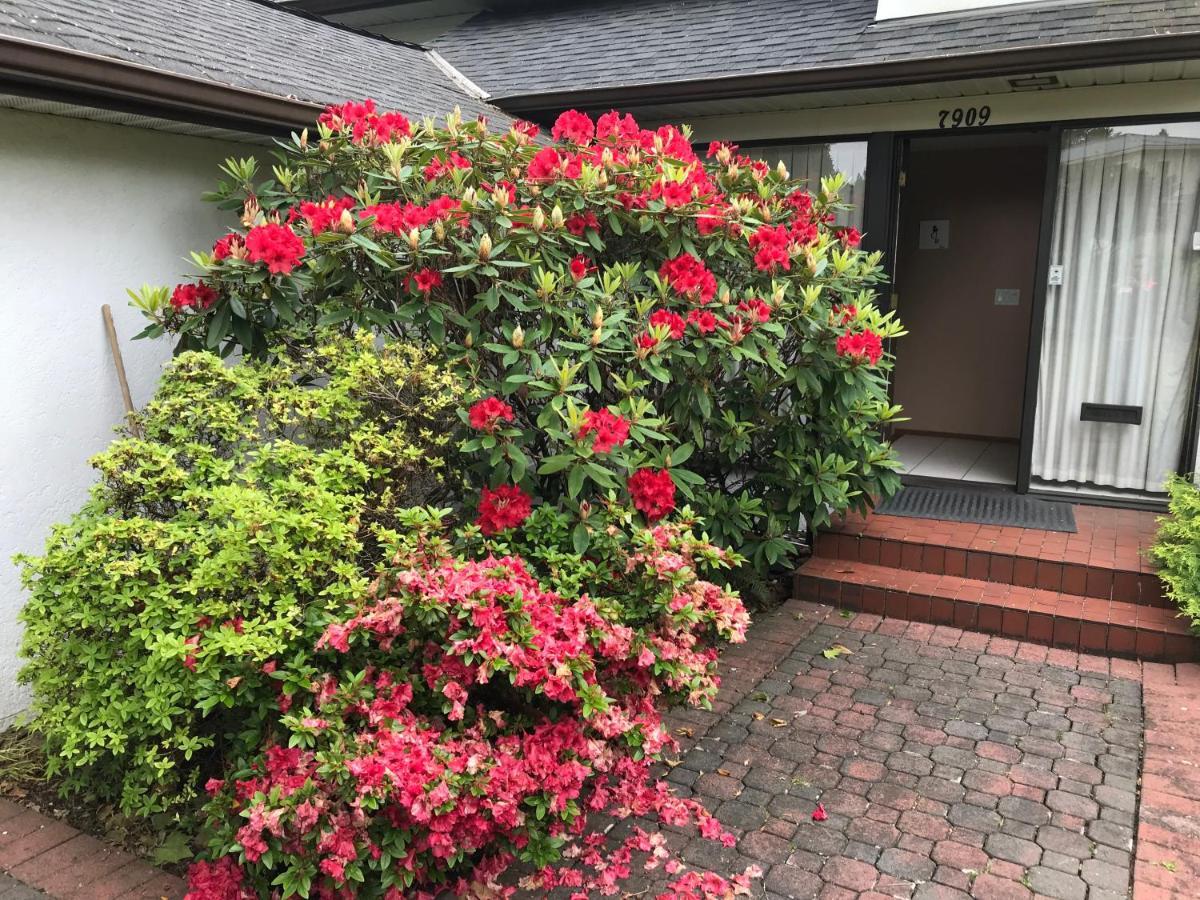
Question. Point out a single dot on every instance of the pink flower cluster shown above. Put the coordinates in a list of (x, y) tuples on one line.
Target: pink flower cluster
[(548, 714)]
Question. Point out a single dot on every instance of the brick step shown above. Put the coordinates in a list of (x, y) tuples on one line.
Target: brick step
[(1099, 581), (1085, 624)]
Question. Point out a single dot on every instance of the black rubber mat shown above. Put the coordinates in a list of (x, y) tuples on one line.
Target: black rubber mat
[(980, 507)]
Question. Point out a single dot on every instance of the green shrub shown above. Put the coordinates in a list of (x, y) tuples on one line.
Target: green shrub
[(703, 313), (241, 506), (1177, 549)]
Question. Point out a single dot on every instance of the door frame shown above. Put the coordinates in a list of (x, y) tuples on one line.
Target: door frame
[(893, 151)]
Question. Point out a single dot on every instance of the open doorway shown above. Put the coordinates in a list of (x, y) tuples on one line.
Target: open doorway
[(966, 253)]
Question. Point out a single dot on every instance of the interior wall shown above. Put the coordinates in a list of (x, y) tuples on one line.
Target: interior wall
[(961, 368), (92, 209)]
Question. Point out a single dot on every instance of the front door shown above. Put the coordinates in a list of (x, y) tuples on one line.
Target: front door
[(966, 251)]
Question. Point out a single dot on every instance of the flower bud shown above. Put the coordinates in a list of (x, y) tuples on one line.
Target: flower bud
[(585, 510), (304, 139), (556, 216), (539, 219), (485, 247), (518, 337), (724, 295), (733, 170), (724, 154), (500, 196), (346, 222), (598, 318), (469, 196), (469, 340), (250, 212), (597, 336), (439, 230), (414, 238), (782, 171), (602, 178)]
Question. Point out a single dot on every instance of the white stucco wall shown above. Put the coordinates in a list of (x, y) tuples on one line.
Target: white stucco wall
[(89, 210)]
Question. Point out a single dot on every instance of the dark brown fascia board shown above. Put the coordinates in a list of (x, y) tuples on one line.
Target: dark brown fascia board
[(44, 70), (886, 74)]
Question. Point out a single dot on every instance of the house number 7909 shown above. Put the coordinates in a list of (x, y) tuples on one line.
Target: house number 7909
[(964, 116)]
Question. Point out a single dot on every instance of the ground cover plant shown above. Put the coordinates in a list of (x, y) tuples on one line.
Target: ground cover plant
[(1177, 548), (618, 302)]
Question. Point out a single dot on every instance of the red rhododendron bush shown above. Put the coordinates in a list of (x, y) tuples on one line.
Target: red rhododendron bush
[(632, 317), (467, 714)]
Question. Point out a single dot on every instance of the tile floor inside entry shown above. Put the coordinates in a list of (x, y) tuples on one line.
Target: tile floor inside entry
[(951, 765), (958, 459)]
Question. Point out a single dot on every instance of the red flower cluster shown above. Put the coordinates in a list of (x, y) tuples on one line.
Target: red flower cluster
[(689, 277), (192, 296), (771, 244), (426, 280), (487, 414), (845, 313), (849, 236), (439, 166), (578, 223), (757, 309), (504, 508), (672, 320), (363, 121), (704, 321), (323, 216), (227, 246), (860, 347), (276, 245), (573, 126), (580, 266), (652, 492), (401, 218), (548, 164), (610, 430)]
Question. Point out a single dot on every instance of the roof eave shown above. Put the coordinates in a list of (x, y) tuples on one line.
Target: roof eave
[(887, 74), (43, 70)]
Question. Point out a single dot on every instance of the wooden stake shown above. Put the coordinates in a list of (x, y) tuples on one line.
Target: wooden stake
[(115, 347)]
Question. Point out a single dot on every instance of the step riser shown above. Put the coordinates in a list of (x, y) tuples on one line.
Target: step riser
[(1138, 588), (992, 618)]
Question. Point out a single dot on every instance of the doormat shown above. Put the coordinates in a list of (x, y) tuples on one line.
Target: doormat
[(979, 507)]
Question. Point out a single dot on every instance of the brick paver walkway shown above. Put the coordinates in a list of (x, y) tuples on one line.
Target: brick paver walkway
[(951, 764)]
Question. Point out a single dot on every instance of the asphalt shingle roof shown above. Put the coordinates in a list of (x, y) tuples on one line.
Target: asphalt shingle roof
[(617, 43), (248, 45)]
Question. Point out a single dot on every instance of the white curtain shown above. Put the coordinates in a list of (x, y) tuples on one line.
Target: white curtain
[(812, 162), (1122, 327)]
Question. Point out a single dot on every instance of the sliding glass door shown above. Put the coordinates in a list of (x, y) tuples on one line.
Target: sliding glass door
[(1122, 309)]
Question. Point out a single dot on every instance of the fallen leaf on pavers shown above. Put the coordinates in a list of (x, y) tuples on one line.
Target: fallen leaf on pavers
[(847, 614), (819, 814), (725, 772), (760, 696), (672, 763), (758, 717), (835, 651), (685, 732), (779, 723), (1168, 865)]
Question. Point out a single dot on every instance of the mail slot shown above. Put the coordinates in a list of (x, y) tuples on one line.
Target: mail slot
[(1110, 412)]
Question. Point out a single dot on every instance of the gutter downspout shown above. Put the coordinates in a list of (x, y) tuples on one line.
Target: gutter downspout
[(43, 70)]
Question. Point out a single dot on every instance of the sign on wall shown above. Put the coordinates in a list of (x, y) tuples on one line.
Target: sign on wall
[(935, 234)]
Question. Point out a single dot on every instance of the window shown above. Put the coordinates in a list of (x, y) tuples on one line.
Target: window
[(812, 162), (900, 9), (1123, 312)]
